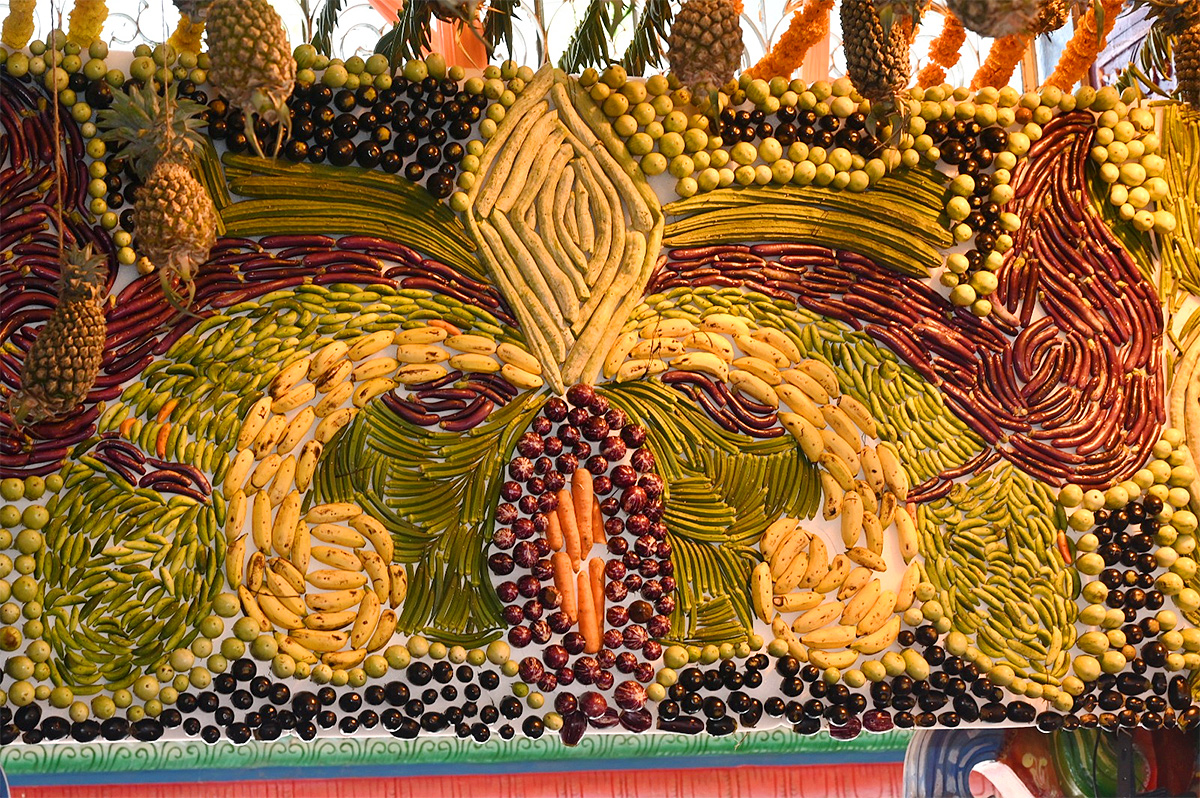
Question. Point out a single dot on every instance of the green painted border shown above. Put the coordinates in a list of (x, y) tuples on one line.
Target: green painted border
[(59, 759)]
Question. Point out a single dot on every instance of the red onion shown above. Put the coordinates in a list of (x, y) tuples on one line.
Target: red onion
[(579, 394), (528, 504), (524, 554), (528, 586), (567, 463), (587, 669), (565, 675), (541, 426), (582, 450), (652, 589), (548, 501), (633, 434), (542, 570), (550, 598), (543, 550), (555, 481), (566, 704), (521, 468), (573, 642), (624, 476), (548, 683), (536, 486), (541, 632), (615, 591), (613, 448), (597, 465), (602, 485), (504, 538), (559, 622), (507, 592), (610, 506), (659, 626), (666, 604), (614, 569), (616, 545), (554, 446), (648, 568), (652, 650), (633, 499), (506, 514), (511, 491), (542, 466), (533, 609), (612, 638), (644, 672), (513, 614), (642, 460), (530, 669), (615, 417), (555, 656)]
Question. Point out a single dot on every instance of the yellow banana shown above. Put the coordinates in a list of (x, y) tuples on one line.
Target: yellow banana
[(294, 650), (859, 414), (880, 611), (775, 533), (326, 357), (335, 579), (852, 518), (792, 573), (306, 465), (278, 614), (725, 323), (521, 378), (283, 531), (335, 375), (761, 349), (318, 640), (867, 558), (711, 342), (364, 392), (906, 593), (334, 601), (254, 571), (806, 434), (252, 424), (239, 469), (833, 637), (235, 555), (797, 601), (336, 558), (251, 609), (837, 419), (811, 388), (887, 510), (382, 366), (839, 569), (667, 328), (270, 434), (419, 335), (825, 376), (333, 400), (835, 497), (332, 423), (879, 640), (838, 469), (839, 660), (855, 580), (817, 617), (264, 472), (515, 356), (703, 362), (657, 347), (763, 369), (754, 387), (235, 514), (848, 454), (791, 545), (637, 369), (906, 533), (871, 468), (869, 499), (618, 352), (415, 374), (475, 364), (779, 340), (285, 479), (377, 572), (344, 660), (365, 622), (893, 474), (260, 522), (798, 401), (288, 571), (383, 631), (874, 532), (338, 535), (329, 621), (862, 602), (398, 578), (302, 394), (421, 354), (289, 377), (471, 344), (818, 563), (370, 528), (369, 344)]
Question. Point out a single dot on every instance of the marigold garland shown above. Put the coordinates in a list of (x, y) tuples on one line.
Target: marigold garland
[(18, 25), (944, 51), (1084, 46), (187, 35), (809, 25), (997, 69), (85, 22)]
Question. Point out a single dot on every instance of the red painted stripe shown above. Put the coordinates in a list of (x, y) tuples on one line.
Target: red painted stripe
[(818, 781)]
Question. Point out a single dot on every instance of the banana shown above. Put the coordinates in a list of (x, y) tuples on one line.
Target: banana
[(303, 393), (383, 631), (334, 399), (762, 369), (335, 579), (235, 514), (760, 591), (235, 555), (260, 522), (872, 469), (657, 347), (838, 469), (792, 574), (296, 430), (251, 609), (908, 587), (294, 650), (239, 469), (893, 474), (779, 340), (326, 357), (618, 352), (825, 376), (419, 335), (382, 366), (421, 354), (857, 607), (254, 571), (906, 533), (725, 323), (855, 580), (399, 585), (887, 510), (818, 563), (288, 571), (806, 434), (817, 617), (282, 588), (711, 342), (475, 364), (797, 601), (637, 369), (838, 660), (283, 531), (667, 328), (278, 614), (293, 603), (338, 535), (333, 422), (837, 419), (253, 423), (334, 601), (336, 558), (264, 472), (289, 377), (377, 571), (877, 616), (521, 378), (416, 373), (344, 660), (366, 391), (879, 640), (318, 640), (833, 637), (704, 362), (839, 569), (471, 344), (369, 344), (370, 528), (514, 355), (811, 388), (285, 478), (837, 445), (271, 432), (754, 387), (335, 375), (869, 499), (775, 533), (867, 559), (306, 465), (874, 532), (835, 497), (859, 414), (852, 518), (786, 551), (365, 621), (761, 349)]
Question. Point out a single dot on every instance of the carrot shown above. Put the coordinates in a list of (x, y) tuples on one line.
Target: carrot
[(160, 442), (582, 496), (1063, 548), (589, 624), (598, 523), (564, 580), (596, 577), (445, 325), (126, 426), (554, 535), (570, 528), (165, 412)]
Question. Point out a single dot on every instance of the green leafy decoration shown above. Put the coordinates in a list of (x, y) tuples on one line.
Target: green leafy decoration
[(497, 26), (646, 48), (436, 493), (589, 42), (323, 32), (409, 37)]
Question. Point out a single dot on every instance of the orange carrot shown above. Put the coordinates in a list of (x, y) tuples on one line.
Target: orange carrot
[(554, 535), (598, 523), (581, 496), (589, 624), (596, 577), (165, 412), (1063, 548), (564, 580), (445, 325), (126, 426), (160, 442), (570, 528)]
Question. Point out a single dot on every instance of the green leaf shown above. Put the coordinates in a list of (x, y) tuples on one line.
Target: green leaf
[(646, 48), (326, 22), (589, 43), (497, 26), (409, 37)]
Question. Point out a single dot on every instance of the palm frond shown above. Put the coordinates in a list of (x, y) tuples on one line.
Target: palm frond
[(589, 42), (326, 22), (409, 37), (1152, 63), (646, 48), (497, 26)]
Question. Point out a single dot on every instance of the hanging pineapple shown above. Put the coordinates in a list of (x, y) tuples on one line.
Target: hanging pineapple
[(174, 219), (877, 59), (995, 18), (1051, 15), (61, 366), (252, 63), (1178, 24), (705, 44)]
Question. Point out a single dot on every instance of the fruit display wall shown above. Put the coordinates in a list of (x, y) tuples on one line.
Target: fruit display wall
[(532, 404)]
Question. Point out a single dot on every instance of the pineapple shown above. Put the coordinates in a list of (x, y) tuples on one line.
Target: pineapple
[(995, 18), (252, 63), (1051, 15), (705, 44), (877, 58), (1180, 21), (63, 362)]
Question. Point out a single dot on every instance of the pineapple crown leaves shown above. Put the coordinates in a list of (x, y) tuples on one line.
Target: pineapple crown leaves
[(84, 272), (1170, 12), (152, 126), (892, 11)]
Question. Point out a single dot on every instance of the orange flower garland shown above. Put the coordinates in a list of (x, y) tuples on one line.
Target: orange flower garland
[(809, 25), (1084, 46), (944, 52), (1001, 61)]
